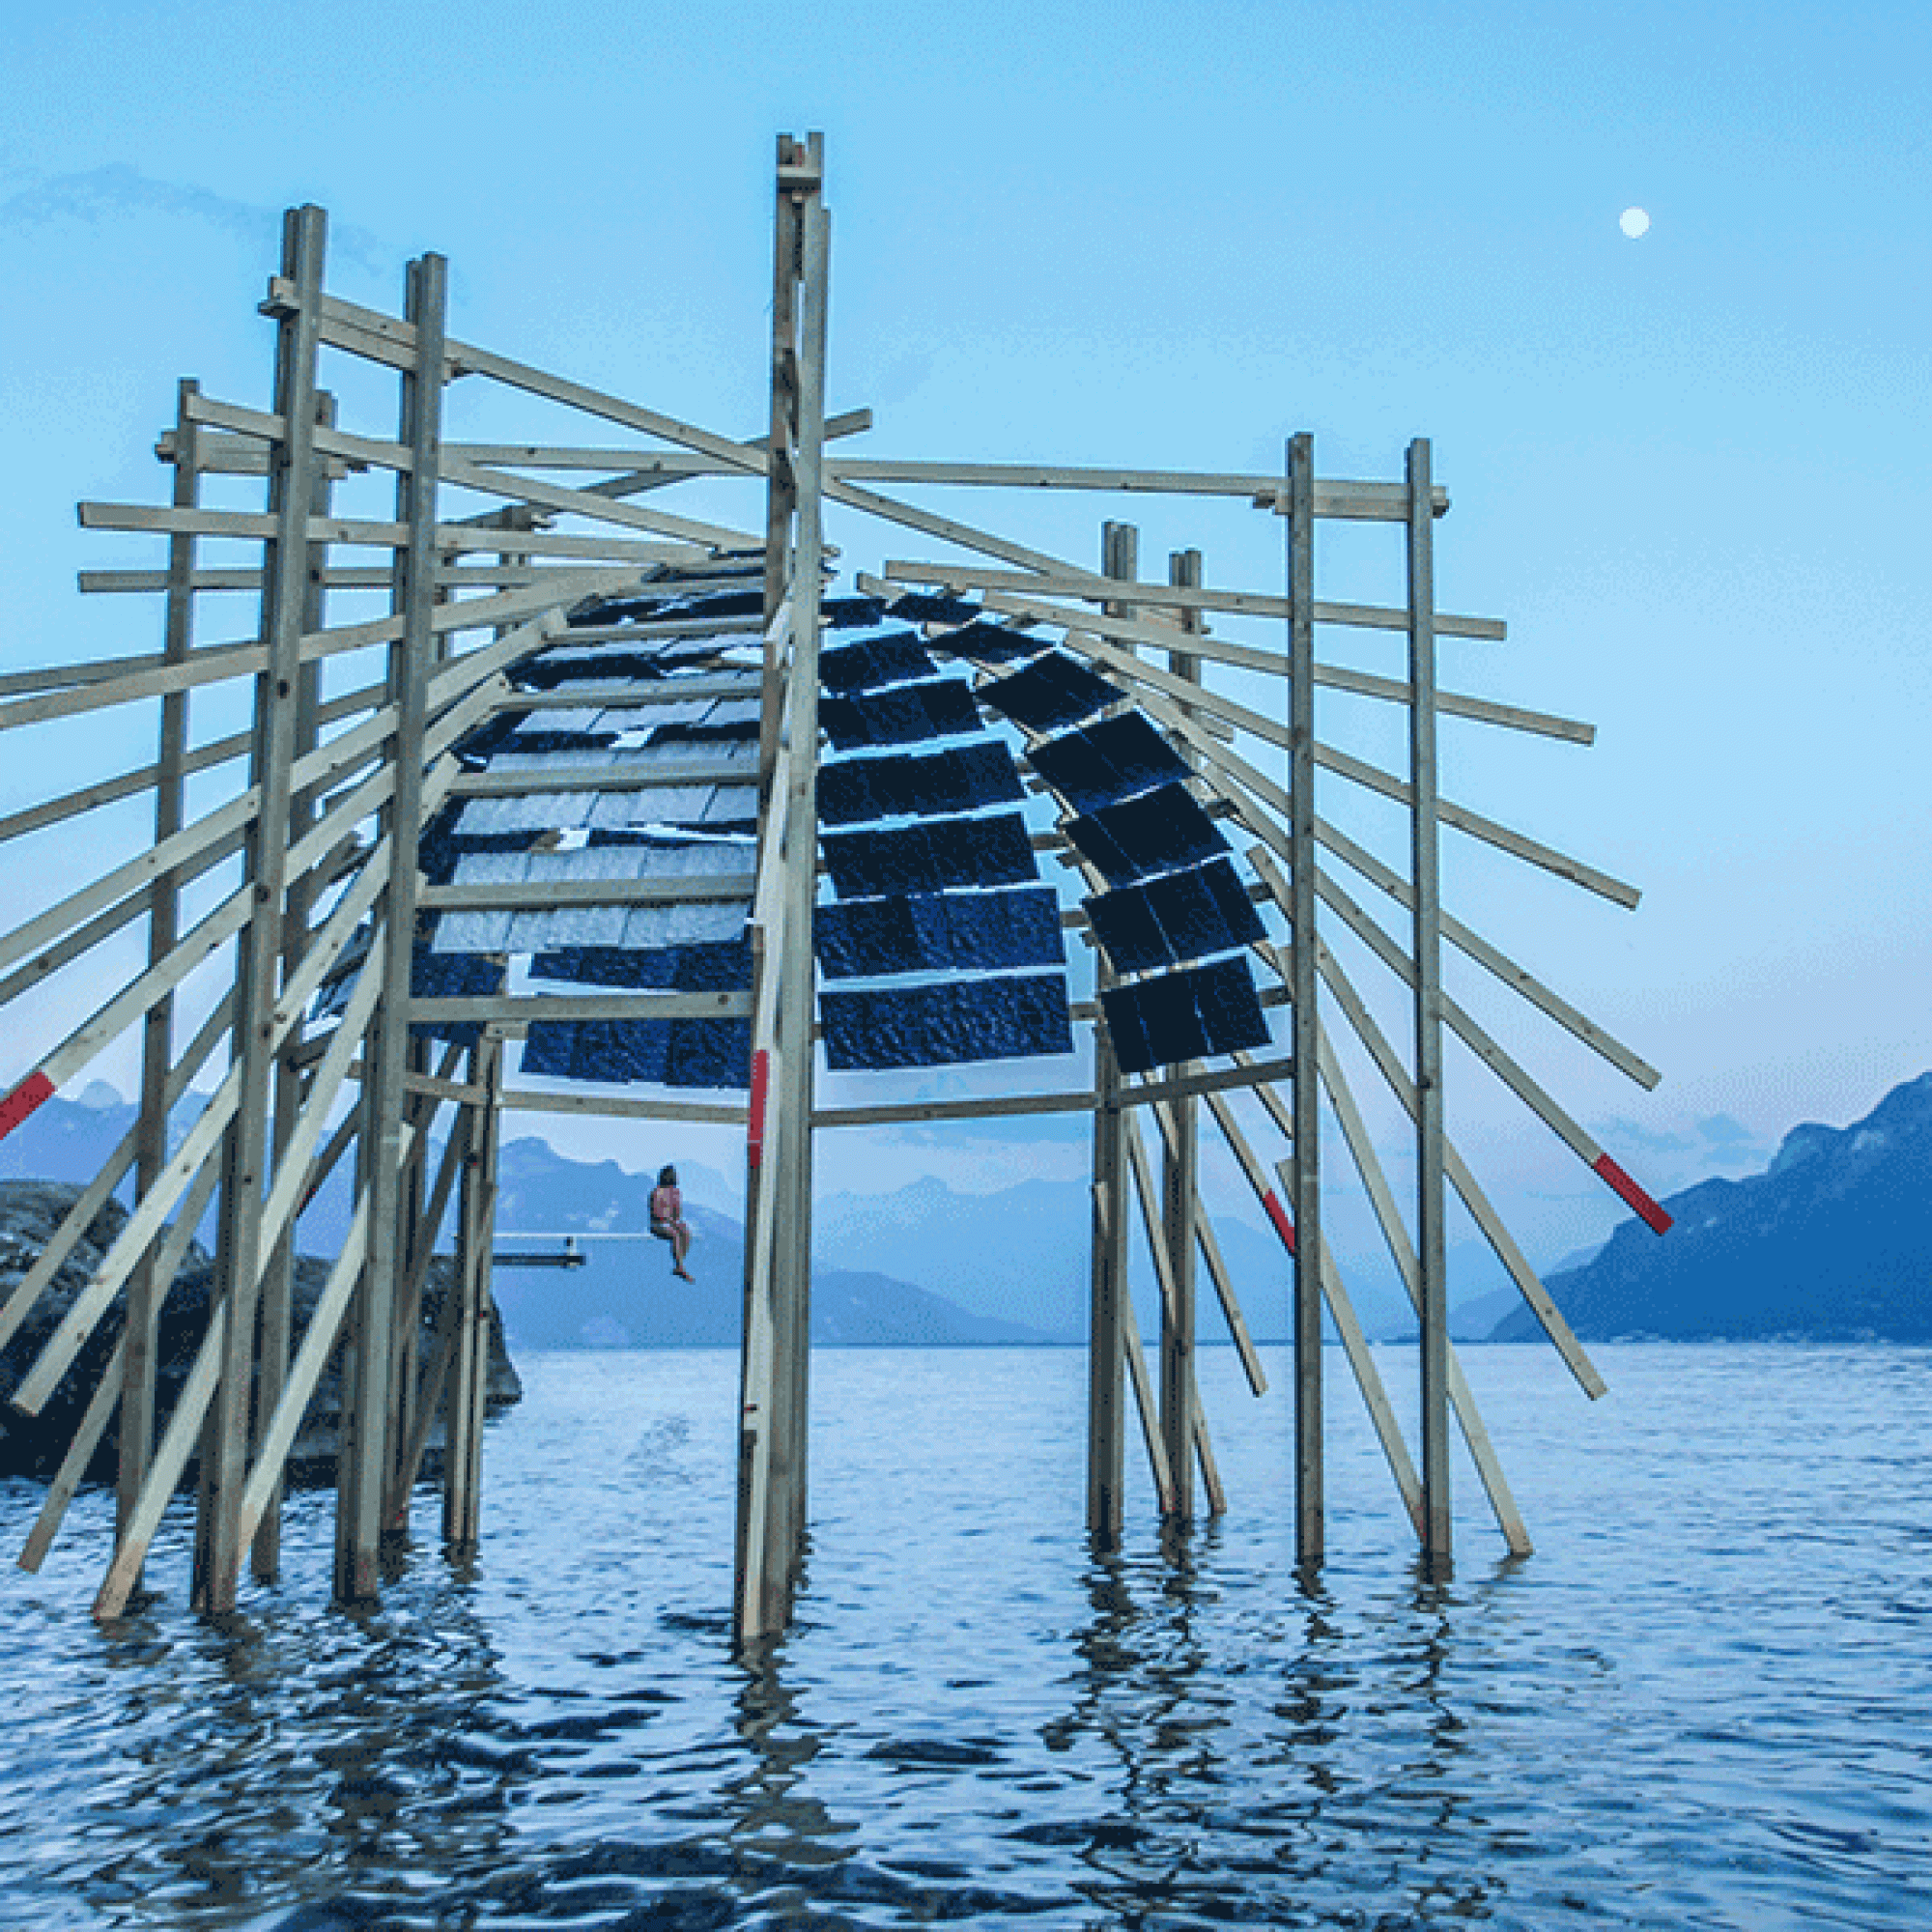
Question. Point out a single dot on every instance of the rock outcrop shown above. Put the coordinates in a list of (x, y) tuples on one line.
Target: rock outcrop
[(34, 1445)]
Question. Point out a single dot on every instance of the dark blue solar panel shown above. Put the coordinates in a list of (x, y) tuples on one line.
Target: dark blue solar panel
[(1107, 761), (906, 714), (959, 778), (1179, 1016), (721, 965), (436, 976), (709, 1053), (1158, 832), (897, 657), (845, 614), (922, 606), (1173, 919), (1052, 691), (936, 933), (945, 1025), (991, 851), (547, 673), (671, 1053), (990, 643)]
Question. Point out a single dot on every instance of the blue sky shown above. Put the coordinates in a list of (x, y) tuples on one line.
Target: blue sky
[(1690, 469)]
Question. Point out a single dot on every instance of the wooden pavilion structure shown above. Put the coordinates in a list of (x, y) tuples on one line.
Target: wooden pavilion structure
[(524, 727)]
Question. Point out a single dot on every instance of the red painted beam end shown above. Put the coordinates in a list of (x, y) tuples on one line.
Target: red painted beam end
[(22, 1101), (754, 1137), (1278, 1214), (1647, 1210)]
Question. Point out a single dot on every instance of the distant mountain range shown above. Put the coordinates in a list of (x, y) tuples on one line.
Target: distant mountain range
[(1831, 1242)]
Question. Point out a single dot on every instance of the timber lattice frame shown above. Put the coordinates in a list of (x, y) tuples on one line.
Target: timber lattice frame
[(302, 878)]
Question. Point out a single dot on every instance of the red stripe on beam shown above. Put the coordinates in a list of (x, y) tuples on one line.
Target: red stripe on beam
[(1278, 1214), (22, 1101), (754, 1136), (1647, 1209)]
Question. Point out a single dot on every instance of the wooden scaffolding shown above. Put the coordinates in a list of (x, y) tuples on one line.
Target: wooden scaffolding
[(303, 923)]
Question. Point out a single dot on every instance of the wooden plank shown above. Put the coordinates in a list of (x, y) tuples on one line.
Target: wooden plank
[(1183, 1422), (1361, 1150), (546, 895), (318, 1344), (1378, 503), (1250, 783), (79, 1217), (985, 1107), (1426, 983), (1159, 1467), (387, 339), (633, 696), (1498, 1236), (1180, 1086), (1273, 663), (1305, 1204), (111, 1391), (1341, 1307), (369, 1430), (165, 1473), (643, 777), (1064, 582), (1112, 1345), (529, 1102), (521, 1009), (148, 1282)]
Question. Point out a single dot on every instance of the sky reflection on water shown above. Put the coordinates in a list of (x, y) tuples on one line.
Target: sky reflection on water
[(1700, 1704)]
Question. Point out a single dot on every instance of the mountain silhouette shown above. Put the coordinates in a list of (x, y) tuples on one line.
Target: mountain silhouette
[(1831, 1242)]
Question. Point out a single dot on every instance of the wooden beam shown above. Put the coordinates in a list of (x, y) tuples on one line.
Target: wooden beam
[(1376, 503), (1068, 583), (548, 895), (368, 1423), (521, 1009), (1361, 1150), (1305, 1204), (529, 1102)]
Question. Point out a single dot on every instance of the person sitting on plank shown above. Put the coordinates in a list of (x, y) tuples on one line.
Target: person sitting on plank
[(667, 1221)]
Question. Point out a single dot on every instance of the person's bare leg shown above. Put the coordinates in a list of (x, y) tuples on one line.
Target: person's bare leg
[(680, 1246)]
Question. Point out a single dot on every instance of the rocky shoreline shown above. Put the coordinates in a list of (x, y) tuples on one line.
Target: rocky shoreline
[(34, 1445)]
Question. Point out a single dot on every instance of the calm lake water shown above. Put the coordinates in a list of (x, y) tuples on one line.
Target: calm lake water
[(1706, 1700)]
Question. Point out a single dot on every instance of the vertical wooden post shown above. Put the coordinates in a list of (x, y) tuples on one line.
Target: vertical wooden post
[(1179, 1176), (469, 1376), (780, 482), (279, 1280), (225, 1442), (364, 1458), (151, 1147), (1310, 1530), (1107, 1327), (1432, 1240), (776, 1372)]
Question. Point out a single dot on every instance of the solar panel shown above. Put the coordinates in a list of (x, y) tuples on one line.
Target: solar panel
[(959, 778), (1158, 832), (1179, 1016), (935, 932), (1052, 691), (945, 1025), (897, 657), (1108, 761), (905, 714), (1175, 917), (944, 852)]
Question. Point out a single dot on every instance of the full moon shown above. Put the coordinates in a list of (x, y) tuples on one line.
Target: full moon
[(1633, 222)]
